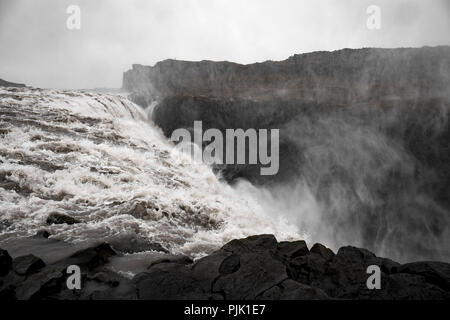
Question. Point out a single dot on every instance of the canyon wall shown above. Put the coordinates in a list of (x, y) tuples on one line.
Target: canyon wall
[(364, 156), (339, 77)]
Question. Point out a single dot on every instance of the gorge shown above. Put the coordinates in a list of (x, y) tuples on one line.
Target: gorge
[(363, 138), (92, 179)]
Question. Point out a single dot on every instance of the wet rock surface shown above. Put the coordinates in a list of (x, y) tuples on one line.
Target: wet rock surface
[(133, 244), (28, 264), (58, 218), (5, 262), (257, 267)]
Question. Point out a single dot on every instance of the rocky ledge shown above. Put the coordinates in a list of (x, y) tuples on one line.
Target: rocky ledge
[(340, 77), (4, 83), (257, 267)]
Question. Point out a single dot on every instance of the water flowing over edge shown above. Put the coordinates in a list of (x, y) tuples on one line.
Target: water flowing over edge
[(97, 158)]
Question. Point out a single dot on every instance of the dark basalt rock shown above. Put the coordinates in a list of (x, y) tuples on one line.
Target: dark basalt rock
[(7, 293), (292, 290), (264, 243), (4, 83), (58, 218), (403, 286), (257, 273), (133, 244), (42, 234), (230, 264), (169, 281), (42, 285), (437, 273), (357, 256), (26, 265), (33, 280), (178, 259), (257, 267), (322, 251), (345, 275), (208, 269), (5, 262), (291, 250), (92, 257)]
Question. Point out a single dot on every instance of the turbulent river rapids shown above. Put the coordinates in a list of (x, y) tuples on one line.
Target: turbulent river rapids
[(98, 158)]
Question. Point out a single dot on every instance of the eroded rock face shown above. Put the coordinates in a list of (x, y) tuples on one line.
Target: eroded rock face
[(366, 130), (257, 267), (5, 262), (133, 244), (4, 83), (340, 77), (28, 277), (28, 264), (58, 218)]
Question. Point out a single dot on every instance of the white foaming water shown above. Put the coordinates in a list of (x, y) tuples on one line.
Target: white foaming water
[(96, 158)]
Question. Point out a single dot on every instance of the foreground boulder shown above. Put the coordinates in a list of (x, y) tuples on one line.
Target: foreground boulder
[(338, 77), (28, 264), (133, 244), (5, 262), (257, 267), (28, 277)]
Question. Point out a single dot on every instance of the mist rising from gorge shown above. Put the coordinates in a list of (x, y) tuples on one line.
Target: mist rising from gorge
[(363, 139)]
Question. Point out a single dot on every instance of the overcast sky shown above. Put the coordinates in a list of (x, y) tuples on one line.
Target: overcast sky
[(37, 48)]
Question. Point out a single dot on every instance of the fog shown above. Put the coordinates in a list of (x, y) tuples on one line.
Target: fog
[(36, 47), (361, 184)]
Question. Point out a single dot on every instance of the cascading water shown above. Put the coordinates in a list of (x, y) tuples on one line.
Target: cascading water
[(96, 158)]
